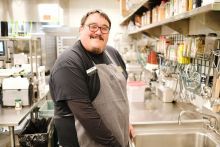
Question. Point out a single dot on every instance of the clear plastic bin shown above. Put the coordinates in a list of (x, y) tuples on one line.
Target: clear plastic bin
[(47, 109), (135, 91)]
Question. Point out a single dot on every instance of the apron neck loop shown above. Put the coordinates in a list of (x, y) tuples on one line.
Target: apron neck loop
[(109, 56)]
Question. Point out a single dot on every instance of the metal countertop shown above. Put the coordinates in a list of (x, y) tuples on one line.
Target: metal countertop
[(11, 117), (156, 112)]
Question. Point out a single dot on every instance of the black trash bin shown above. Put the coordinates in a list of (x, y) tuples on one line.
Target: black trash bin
[(37, 133)]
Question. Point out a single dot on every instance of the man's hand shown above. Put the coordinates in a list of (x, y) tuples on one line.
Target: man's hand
[(131, 131)]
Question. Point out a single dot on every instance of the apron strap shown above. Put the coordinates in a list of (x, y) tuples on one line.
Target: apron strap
[(93, 69), (109, 56)]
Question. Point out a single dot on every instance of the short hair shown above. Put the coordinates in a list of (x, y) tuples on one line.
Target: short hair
[(103, 14)]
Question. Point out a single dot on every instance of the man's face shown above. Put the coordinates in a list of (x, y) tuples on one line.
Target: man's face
[(92, 40)]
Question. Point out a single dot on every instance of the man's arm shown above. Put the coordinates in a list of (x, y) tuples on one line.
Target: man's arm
[(84, 111)]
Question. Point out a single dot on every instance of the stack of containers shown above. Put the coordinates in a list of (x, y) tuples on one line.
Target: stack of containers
[(41, 81)]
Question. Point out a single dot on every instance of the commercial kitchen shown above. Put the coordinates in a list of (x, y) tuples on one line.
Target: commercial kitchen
[(171, 49)]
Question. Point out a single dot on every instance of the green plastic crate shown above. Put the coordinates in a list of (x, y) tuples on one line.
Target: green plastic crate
[(47, 109)]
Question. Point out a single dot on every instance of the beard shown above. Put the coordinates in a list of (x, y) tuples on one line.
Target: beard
[(97, 50)]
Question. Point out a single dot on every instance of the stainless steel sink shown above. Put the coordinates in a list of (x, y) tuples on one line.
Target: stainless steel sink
[(160, 127), (177, 138)]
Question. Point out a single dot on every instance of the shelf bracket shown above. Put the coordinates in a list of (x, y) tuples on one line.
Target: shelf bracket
[(153, 32), (211, 20), (181, 26)]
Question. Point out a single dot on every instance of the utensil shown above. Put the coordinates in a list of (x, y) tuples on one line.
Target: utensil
[(131, 142)]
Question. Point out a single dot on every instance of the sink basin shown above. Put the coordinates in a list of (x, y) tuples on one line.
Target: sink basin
[(177, 138)]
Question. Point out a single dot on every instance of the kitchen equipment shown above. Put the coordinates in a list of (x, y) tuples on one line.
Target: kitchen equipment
[(165, 93), (217, 88), (15, 88), (152, 58), (4, 28), (47, 109), (154, 75), (171, 83), (211, 43), (135, 91), (20, 58), (134, 71), (64, 43)]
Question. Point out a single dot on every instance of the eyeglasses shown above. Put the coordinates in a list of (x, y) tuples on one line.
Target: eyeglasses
[(94, 28)]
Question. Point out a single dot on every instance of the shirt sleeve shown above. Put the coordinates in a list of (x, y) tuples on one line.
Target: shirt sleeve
[(69, 83), (84, 111)]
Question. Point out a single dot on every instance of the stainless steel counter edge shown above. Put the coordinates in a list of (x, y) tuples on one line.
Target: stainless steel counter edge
[(158, 112)]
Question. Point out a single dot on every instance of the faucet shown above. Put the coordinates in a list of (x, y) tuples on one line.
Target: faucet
[(213, 122)]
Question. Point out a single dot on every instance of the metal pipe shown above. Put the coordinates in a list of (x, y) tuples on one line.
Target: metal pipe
[(213, 122), (12, 135)]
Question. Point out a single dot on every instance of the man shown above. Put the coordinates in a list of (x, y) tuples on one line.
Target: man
[(88, 86)]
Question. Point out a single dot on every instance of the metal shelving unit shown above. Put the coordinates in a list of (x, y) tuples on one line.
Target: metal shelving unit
[(186, 15), (133, 10)]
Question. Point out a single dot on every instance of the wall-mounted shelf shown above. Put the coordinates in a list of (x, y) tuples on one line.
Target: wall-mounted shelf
[(132, 11), (178, 19)]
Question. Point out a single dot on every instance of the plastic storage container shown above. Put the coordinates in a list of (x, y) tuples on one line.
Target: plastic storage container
[(47, 109), (135, 91)]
